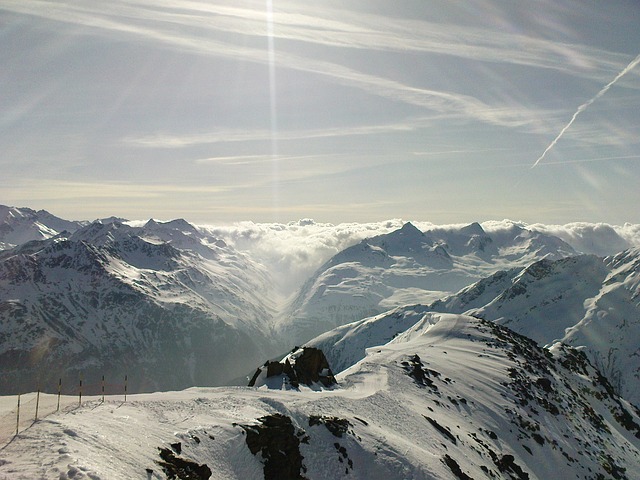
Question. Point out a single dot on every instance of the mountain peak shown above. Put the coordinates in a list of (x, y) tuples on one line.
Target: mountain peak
[(177, 224), (473, 229), (410, 229)]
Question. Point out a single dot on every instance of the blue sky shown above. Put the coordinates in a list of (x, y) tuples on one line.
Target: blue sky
[(221, 111)]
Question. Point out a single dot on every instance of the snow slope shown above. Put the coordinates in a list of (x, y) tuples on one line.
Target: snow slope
[(407, 266), (582, 301), (450, 397), (137, 290)]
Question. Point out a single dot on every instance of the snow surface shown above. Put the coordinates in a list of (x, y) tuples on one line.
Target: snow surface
[(480, 398), (21, 225), (186, 306), (582, 301)]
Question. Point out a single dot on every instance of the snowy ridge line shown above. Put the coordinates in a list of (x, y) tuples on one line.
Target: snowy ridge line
[(157, 301), (452, 396), (34, 406), (97, 388), (32, 410)]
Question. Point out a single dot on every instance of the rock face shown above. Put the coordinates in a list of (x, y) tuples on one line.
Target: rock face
[(278, 443), (21, 225), (179, 468), (307, 366)]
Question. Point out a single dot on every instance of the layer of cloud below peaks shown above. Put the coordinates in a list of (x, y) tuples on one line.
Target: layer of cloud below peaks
[(295, 250)]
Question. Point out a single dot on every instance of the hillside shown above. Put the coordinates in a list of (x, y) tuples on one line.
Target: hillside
[(163, 303), (21, 225), (584, 301), (452, 397)]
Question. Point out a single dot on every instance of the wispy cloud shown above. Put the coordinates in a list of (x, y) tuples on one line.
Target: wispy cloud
[(191, 26), (246, 135), (51, 189), (331, 27), (449, 151)]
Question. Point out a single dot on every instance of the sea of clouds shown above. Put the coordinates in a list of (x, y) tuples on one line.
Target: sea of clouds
[(293, 251)]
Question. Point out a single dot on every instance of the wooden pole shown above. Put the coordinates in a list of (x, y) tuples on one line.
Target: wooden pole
[(125, 387), (18, 416), (37, 403), (80, 395), (102, 388), (59, 389)]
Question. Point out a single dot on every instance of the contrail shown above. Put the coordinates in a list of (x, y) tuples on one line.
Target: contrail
[(583, 107)]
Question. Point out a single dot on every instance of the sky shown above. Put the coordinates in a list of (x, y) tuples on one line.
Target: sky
[(359, 111)]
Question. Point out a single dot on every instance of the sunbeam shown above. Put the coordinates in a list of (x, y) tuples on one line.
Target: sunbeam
[(273, 108)]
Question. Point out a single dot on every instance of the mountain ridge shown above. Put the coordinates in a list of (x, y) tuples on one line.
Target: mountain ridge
[(451, 397)]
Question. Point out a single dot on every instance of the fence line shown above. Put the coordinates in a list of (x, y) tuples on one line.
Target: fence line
[(51, 403)]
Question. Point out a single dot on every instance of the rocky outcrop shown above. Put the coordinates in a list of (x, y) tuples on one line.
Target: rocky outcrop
[(176, 467), (277, 441), (307, 366)]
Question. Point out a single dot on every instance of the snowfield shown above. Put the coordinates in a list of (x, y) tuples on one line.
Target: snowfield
[(451, 396)]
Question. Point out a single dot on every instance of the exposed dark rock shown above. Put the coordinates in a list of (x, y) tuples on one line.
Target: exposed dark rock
[(274, 369), (507, 463), (538, 438), (442, 430), (181, 469), (312, 367), (612, 469), (545, 384), (574, 360), (343, 455), (364, 422), (253, 380), (416, 370), (337, 426), (275, 438), (455, 468), (308, 367)]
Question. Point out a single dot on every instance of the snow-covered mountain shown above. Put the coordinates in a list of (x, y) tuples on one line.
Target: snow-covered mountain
[(408, 266), (21, 225), (164, 303), (451, 397), (582, 301)]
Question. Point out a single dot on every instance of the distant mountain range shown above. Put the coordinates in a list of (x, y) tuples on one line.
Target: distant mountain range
[(171, 305), (408, 266), (163, 303), (428, 364), (581, 301), (585, 301), (21, 225)]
